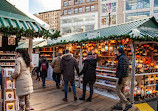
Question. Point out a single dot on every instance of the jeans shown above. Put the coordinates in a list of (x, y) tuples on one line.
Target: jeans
[(66, 87), (43, 80), (56, 77), (84, 89)]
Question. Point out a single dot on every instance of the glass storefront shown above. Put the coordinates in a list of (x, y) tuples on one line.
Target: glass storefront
[(66, 30), (156, 14), (109, 7), (90, 18), (78, 19), (89, 27), (78, 29), (156, 3), (66, 21), (136, 16), (137, 4)]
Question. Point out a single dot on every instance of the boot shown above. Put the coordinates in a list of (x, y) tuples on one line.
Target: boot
[(65, 99), (75, 98), (89, 99), (82, 98)]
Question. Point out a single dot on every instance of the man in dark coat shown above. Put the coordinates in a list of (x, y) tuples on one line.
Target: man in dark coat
[(122, 75), (43, 72), (68, 66), (89, 72)]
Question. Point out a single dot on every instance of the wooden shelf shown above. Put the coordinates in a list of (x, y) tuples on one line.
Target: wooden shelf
[(150, 85), (46, 51), (106, 85), (46, 55), (105, 71), (146, 74), (107, 77), (7, 54), (7, 59), (10, 100), (7, 65), (105, 67)]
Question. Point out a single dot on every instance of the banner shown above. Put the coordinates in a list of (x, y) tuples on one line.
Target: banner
[(35, 59)]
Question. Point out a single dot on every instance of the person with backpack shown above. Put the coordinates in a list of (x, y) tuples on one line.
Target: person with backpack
[(89, 75), (68, 66), (56, 69), (43, 66)]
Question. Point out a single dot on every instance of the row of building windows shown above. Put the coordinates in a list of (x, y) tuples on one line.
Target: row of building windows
[(80, 10), (139, 4), (68, 3)]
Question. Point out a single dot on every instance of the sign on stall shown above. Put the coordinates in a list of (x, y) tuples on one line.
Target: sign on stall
[(35, 59)]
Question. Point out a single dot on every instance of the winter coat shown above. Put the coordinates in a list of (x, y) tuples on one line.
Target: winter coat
[(56, 65), (123, 66), (68, 66), (22, 76), (89, 71), (43, 74)]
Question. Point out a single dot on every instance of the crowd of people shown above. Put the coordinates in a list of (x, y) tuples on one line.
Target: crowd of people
[(66, 65)]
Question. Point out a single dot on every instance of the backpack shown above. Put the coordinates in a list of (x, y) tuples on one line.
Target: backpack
[(44, 66)]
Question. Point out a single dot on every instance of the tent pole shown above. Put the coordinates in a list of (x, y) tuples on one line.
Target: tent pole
[(53, 52), (80, 64), (133, 49), (30, 47)]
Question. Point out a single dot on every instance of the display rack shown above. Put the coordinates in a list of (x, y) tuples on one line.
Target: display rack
[(10, 100), (47, 52)]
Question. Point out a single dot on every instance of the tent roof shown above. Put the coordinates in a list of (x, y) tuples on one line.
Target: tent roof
[(147, 26), (11, 16)]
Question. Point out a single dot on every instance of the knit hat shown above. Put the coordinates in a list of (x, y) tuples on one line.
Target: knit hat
[(120, 50)]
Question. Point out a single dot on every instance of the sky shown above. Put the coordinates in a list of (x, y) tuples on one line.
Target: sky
[(36, 6)]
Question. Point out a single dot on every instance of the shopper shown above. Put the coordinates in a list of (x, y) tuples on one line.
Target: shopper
[(89, 75), (122, 75), (43, 66), (68, 66), (56, 69), (23, 80)]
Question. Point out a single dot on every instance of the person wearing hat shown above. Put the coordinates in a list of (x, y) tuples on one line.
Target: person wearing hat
[(89, 75), (56, 69), (122, 75)]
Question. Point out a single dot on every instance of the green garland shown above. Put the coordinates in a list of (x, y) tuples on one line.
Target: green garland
[(112, 37), (6, 31)]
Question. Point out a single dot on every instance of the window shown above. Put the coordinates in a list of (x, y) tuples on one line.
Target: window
[(110, 7), (103, 0), (104, 21), (76, 2), (87, 9), (87, 0), (69, 2), (76, 10), (65, 3), (80, 10), (69, 11), (137, 4), (65, 12), (92, 0), (80, 1), (92, 8), (136, 16), (156, 14), (103, 8), (156, 3)]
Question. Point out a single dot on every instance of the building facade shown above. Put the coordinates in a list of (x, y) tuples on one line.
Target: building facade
[(51, 17), (78, 16)]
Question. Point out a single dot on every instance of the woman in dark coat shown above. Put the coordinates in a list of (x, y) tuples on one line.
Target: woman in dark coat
[(43, 67), (89, 75)]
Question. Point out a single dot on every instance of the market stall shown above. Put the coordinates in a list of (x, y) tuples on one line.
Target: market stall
[(14, 26), (104, 42)]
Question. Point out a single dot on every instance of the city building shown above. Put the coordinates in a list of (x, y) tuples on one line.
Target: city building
[(111, 12), (78, 16), (138, 9), (51, 17)]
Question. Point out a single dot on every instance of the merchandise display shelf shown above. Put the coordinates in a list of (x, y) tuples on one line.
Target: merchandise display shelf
[(146, 74), (107, 77), (7, 59), (7, 54), (106, 85), (105, 71)]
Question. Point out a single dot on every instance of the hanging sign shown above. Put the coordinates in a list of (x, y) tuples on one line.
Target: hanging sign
[(11, 40), (35, 59), (0, 41)]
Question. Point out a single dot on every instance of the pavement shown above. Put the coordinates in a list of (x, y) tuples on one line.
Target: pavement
[(50, 99)]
